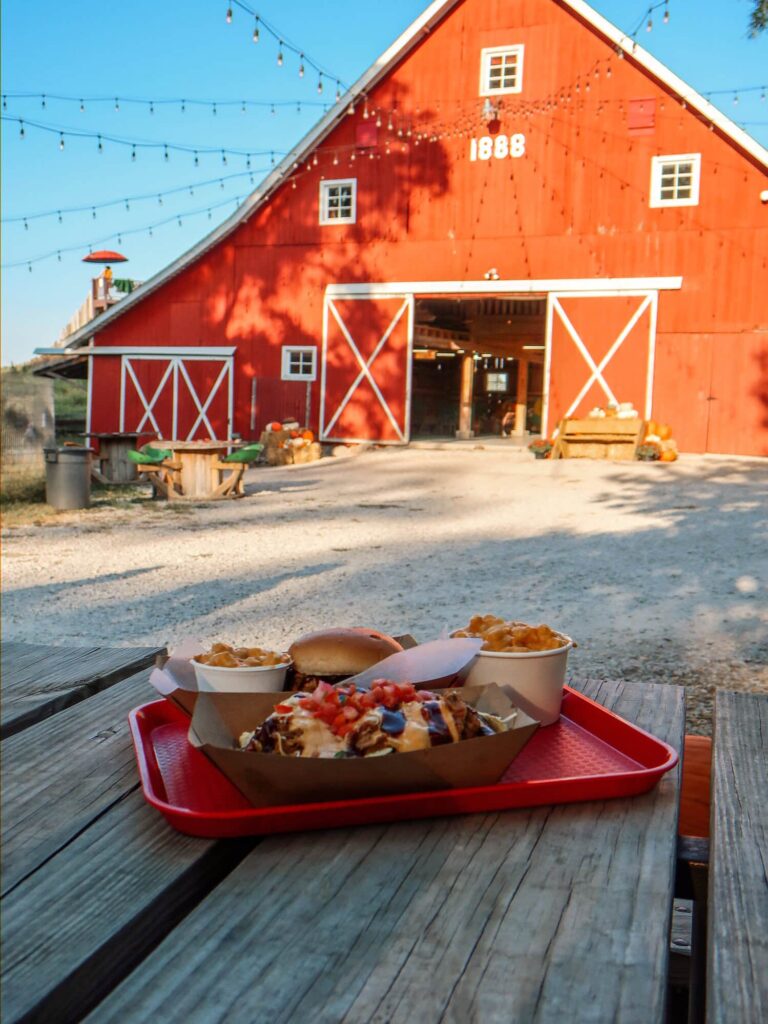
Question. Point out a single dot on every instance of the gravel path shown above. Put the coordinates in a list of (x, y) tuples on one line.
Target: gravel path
[(658, 571)]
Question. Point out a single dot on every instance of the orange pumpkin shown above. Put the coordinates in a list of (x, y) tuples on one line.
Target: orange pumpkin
[(308, 435), (670, 455), (653, 428), (275, 426), (295, 433), (664, 431)]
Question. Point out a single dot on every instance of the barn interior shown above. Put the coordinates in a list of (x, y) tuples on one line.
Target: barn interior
[(478, 366)]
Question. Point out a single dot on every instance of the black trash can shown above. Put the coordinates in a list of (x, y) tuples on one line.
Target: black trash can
[(68, 477)]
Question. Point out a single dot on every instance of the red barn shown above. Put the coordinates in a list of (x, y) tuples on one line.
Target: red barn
[(516, 209)]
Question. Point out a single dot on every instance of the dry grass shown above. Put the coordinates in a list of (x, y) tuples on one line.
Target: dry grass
[(25, 505)]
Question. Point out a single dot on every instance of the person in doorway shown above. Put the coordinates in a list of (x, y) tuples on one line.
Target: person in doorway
[(505, 414)]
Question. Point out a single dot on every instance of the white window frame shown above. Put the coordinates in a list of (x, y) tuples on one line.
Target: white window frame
[(658, 162), (485, 67), (288, 351), (325, 185)]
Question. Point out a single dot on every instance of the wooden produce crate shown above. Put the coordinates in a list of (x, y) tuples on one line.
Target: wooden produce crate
[(608, 438)]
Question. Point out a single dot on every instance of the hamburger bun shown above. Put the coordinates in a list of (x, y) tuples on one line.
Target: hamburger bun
[(332, 653)]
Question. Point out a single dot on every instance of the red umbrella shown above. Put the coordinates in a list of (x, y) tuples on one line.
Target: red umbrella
[(105, 256)]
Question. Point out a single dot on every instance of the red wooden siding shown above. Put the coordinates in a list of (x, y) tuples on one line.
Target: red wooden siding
[(574, 205)]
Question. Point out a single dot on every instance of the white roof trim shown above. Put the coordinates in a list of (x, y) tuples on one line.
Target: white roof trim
[(424, 24)]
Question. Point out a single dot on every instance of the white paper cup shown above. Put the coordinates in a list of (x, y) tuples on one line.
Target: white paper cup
[(535, 677), (248, 679)]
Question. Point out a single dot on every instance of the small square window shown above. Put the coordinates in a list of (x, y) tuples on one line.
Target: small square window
[(497, 382), (675, 180), (338, 201), (501, 70), (299, 362)]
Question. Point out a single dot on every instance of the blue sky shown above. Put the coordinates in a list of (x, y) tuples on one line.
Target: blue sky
[(171, 50)]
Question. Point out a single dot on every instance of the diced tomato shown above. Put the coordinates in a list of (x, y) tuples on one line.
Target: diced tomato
[(367, 700), (308, 704), (285, 709)]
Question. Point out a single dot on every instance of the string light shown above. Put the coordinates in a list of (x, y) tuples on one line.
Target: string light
[(229, 16), (665, 19), (100, 146), (256, 31), (301, 66), (338, 91), (42, 101), (280, 55), (151, 107), (117, 105), (21, 130), (61, 141), (320, 84), (82, 107)]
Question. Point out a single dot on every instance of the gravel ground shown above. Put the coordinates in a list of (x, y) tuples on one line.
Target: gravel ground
[(658, 571)]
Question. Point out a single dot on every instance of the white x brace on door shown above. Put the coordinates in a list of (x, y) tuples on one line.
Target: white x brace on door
[(600, 348), (177, 396), (366, 369)]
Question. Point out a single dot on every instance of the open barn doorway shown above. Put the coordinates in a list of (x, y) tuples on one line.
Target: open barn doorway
[(478, 367)]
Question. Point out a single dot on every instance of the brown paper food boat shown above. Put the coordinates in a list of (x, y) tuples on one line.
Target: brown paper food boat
[(271, 779)]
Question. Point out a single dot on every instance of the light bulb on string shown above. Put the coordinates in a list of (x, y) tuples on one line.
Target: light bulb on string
[(378, 120), (42, 101), (242, 108), (735, 99), (762, 96), (117, 105), (619, 53), (293, 183), (183, 106), (272, 109), (390, 126), (213, 109), (280, 54), (272, 159), (150, 232), (351, 109), (133, 153), (166, 155), (22, 133), (93, 213), (119, 239), (314, 160), (159, 199), (26, 226), (301, 65), (29, 267), (320, 85), (338, 92), (366, 115), (665, 19), (179, 221), (151, 107), (221, 183), (649, 26), (61, 219), (58, 256), (61, 141), (5, 103), (298, 108), (229, 16), (127, 206), (256, 31), (209, 215), (82, 107), (335, 159), (352, 157), (197, 159), (224, 157)]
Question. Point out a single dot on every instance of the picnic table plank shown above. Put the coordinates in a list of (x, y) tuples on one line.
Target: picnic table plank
[(737, 974), (38, 680), (63, 773), (92, 877), (442, 919)]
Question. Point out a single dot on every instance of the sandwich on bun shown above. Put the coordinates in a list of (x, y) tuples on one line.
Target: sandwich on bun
[(333, 655)]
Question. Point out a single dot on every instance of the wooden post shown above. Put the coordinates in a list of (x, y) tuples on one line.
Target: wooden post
[(465, 396), (521, 404)]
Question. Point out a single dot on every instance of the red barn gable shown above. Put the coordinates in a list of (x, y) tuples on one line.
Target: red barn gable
[(514, 209)]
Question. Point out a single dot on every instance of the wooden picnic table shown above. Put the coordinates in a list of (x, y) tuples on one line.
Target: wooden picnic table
[(114, 466), (546, 914), (196, 471)]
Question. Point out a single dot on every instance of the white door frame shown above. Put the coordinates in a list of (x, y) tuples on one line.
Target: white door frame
[(177, 359), (329, 308), (650, 302)]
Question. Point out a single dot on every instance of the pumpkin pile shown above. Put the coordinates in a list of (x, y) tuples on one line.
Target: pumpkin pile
[(658, 439), (287, 443)]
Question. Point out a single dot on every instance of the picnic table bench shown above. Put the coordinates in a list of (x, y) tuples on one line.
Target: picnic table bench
[(553, 913), (737, 975)]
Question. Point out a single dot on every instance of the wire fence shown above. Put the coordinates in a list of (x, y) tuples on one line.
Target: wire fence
[(28, 426)]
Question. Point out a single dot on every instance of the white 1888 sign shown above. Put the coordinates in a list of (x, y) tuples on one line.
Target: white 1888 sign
[(499, 147)]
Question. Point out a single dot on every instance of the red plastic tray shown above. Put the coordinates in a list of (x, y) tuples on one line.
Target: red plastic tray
[(590, 754)]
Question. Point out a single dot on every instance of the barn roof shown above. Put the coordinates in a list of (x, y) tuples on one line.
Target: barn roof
[(421, 27)]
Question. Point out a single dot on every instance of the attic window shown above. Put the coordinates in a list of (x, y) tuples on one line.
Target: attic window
[(338, 201), (501, 70), (675, 180)]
